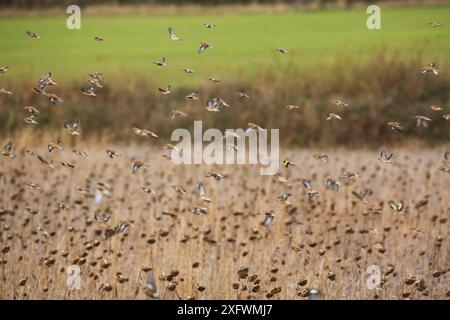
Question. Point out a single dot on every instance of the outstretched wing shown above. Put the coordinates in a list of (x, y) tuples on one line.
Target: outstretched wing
[(202, 190), (8, 147)]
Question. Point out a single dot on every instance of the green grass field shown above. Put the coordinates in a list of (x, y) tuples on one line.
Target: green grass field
[(244, 44)]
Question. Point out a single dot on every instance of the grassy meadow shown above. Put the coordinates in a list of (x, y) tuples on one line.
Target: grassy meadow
[(244, 44)]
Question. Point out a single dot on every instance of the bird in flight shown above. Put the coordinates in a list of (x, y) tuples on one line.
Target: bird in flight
[(33, 114), (320, 157), (340, 103), (99, 39), (161, 62), (436, 107), (193, 95), (137, 165), (397, 207), (216, 176), (431, 68), (4, 69), (268, 219), (144, 133), (176, 113), (172, 35), (88, 92), (209, 25), (112, 154), (3, 90), (32, 34), (72, 128), (386, 157), (422, 121), (281, 50), (395, 126), (203, 196), (333, 116), (434, 24), (7, 150), (165, 90), (204, 46)]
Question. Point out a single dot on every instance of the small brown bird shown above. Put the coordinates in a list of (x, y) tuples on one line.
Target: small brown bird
[(72, 128), (172, 35), (46, 80), (54, 145), (333, 116), (137, 165), (4, 69), (216, 176), (203, 196), (34, 113), (30, 120), (112, 153), (193, 95), (431, 68), (165, 90), (436, 108), (39, 91), (199, 210), (395, 126), (170, 147), (348, 174), (144, 133), (32, 34), (333, 185), (254, 126), (320, 157), (88, 92), (95, 80), (340, 103), (179, 189), (99, 39), (49, 163), (446, 117), (3, 90), (7, 150), (81, 153), (176, 113), (397, 207), (32, 110), (53, 98), (269, 217), (148, 190), (422, 121), (204, 46), (434, 24), (385, 157), (123, 225), (67, 164), (242, 94), (288, 163), (284, 198), (188, 70), (281, 50), (214, 80), (161, 62)]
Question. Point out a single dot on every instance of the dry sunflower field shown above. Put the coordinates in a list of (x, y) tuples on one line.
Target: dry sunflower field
[(326, 242)]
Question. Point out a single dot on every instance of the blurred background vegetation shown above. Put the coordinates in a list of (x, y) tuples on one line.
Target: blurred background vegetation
[(332, 55)]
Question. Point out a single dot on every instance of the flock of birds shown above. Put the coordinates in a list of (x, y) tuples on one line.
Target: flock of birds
[(95, 81)]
